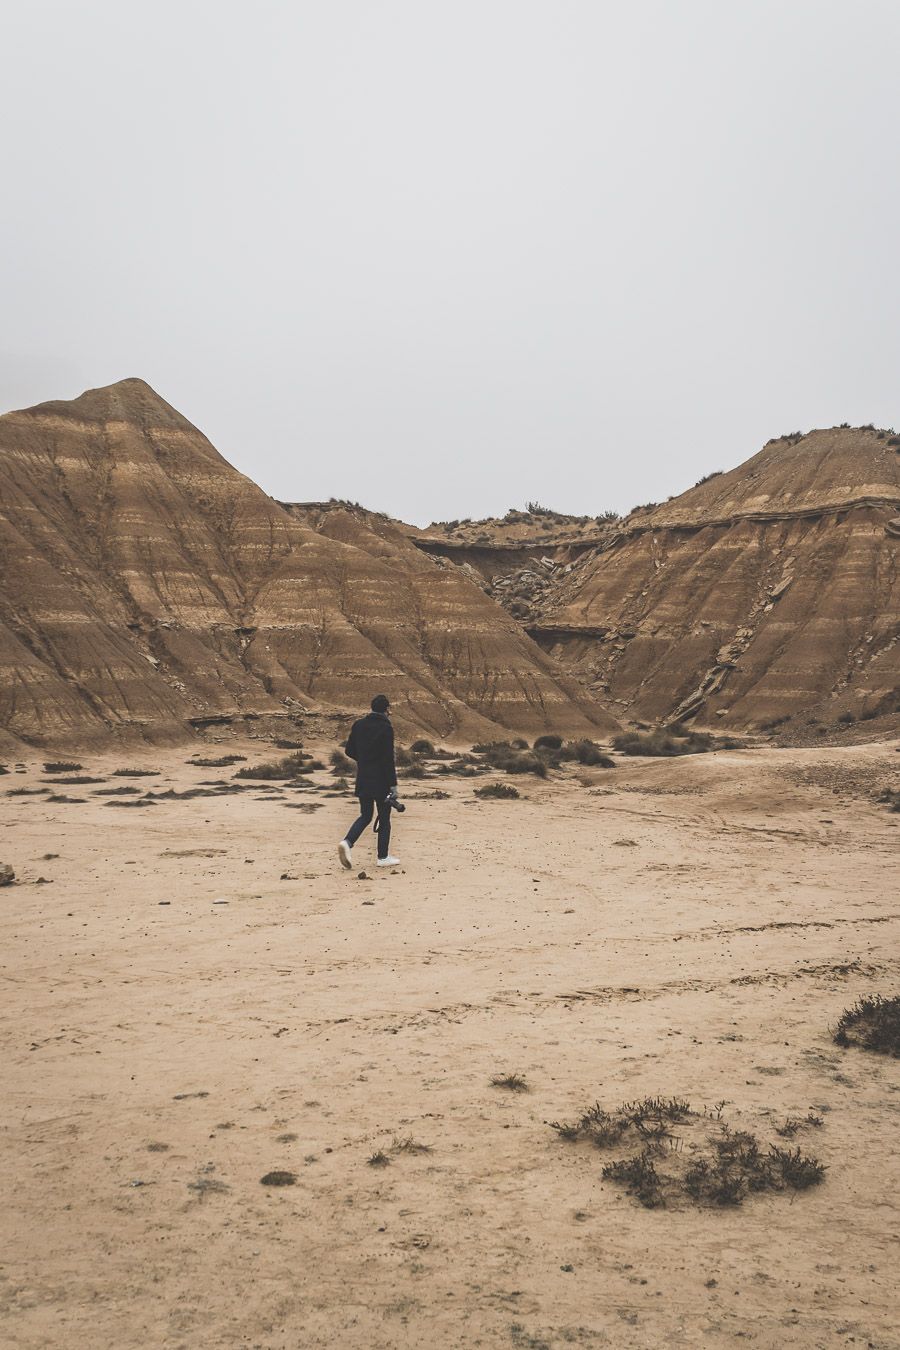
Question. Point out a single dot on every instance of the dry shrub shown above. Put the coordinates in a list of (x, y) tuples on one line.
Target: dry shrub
[(511, 758), (723, 1169), (513, 1082), (222, 762), (873, 1023), (588, 752), (548, 743), (498, 792), (278, 769), (669, 741)]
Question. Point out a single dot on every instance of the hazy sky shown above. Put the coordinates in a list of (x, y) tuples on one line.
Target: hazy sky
[(443, 256)]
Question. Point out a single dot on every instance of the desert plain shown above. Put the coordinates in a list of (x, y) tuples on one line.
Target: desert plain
[(196, 996)]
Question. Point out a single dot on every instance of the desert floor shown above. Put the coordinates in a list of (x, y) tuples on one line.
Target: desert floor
[(201, 995)]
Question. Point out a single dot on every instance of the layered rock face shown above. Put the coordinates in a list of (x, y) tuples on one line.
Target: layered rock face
[(766, 593), (146, 585)]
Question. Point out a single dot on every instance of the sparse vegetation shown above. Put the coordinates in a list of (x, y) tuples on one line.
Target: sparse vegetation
[(277, 770), (422, 747), (497, 792), (512, 1082), (873, 1023), (793, 1124), (724, 1170), (62, 766), (409, 1145), (661, 743), (222, 762), (379, 1159), (136, 773), (278, 1178), (414, 770), (588, 752), (77, 780), (548, 743), (341, 763), (708, 477)]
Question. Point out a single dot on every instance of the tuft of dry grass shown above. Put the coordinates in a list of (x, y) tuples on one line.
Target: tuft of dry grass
[(379, 1159), (792, 1124), (498, 792), (513, 1082), (409, 1145)]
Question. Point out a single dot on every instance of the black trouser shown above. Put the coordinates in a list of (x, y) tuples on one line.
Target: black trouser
[(366, 810)]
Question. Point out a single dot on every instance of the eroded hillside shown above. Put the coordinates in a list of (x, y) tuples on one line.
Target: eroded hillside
[(147, 586), (768, 594)]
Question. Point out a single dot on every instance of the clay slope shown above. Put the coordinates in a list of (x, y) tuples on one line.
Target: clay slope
[(145, 585), (766, 593)]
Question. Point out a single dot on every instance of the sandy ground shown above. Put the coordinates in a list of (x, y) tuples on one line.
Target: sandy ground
[(684, 927)]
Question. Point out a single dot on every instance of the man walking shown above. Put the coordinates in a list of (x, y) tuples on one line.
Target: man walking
[(371, 744)]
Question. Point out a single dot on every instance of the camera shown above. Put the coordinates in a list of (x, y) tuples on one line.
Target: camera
[(394, 801)]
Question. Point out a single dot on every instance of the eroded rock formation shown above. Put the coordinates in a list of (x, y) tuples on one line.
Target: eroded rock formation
[(766, 593), (146, 585)]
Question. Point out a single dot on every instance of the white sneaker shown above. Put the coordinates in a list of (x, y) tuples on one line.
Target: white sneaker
[(344, 853), (389, 862)]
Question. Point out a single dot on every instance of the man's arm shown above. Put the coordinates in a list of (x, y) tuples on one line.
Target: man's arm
[(390, 755)]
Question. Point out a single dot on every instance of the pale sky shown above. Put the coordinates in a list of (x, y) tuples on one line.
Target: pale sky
[(444, 256)]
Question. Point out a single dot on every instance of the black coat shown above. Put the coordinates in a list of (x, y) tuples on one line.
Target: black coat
[(371, 744)]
